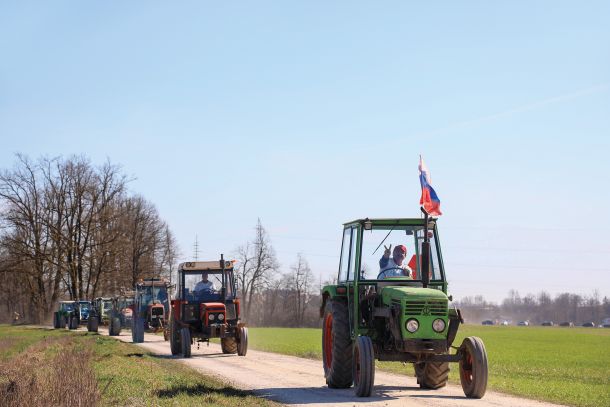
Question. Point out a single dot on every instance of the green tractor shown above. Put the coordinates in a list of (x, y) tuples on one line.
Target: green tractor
[(68, 314), (387, 308)]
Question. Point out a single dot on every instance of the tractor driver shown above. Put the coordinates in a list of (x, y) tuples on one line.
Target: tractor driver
[(205, 285), (393, 267)]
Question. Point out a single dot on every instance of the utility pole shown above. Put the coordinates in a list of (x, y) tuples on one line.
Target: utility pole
[(196, 248)]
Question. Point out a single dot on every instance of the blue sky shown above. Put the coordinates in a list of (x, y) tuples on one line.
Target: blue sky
[(311, 114)]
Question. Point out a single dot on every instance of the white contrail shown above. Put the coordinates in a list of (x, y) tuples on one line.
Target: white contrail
[(525, 108)]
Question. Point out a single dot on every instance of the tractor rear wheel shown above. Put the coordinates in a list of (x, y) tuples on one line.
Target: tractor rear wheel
[(114, 329), (432, 375), (74, 322), (337, 346), (174, 337), (185, 342), (137, 330), (228, 345), (57, 320), (93, 324), (363, 366), (473, 367), (242, 342)]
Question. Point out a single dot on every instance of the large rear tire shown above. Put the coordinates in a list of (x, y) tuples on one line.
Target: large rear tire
[(93, 324), (185, 342), (57, 320), (137, 330), (74, 322), (363, 366), (174, 337), (114, 329), (337, 346), (432, 375), (242, 342), (228, 345), (473, 367)]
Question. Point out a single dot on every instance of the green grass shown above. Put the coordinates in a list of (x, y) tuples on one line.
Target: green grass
[(127, 374), (564, 365), (15, 339)]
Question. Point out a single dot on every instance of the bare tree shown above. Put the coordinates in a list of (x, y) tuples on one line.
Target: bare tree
[(67, 229), (300, 281), (257, 264)]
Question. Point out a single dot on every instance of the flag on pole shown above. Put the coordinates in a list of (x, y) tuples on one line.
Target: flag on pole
[(429, 200)]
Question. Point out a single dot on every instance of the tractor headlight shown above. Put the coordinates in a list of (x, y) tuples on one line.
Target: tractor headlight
[(412, 325), (211, 317), (221, 317), (438, 325)]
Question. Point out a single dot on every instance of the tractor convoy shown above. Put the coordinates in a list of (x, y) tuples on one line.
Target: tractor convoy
[(205, 306), (382, 307)]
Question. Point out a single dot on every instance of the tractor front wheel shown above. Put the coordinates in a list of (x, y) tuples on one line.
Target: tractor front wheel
[(242, 343), (185, 342), (337, 346), (363, 366), (473, 367), (174, 337), (229, 345), (432, 375)]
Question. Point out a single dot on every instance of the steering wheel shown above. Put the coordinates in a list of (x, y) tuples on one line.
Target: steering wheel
[(391, 268)]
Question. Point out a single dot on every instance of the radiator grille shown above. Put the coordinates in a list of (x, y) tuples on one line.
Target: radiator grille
[(430, 307)]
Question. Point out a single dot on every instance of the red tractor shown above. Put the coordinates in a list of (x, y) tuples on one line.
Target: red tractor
[(207, 306)]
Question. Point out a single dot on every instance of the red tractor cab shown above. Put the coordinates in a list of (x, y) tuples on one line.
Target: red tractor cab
[(206, 306)]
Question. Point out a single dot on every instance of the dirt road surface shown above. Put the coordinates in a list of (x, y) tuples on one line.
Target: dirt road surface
[(300, 382)]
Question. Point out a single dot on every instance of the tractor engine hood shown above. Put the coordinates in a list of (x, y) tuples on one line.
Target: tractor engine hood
[(424, 305), (413, 293)]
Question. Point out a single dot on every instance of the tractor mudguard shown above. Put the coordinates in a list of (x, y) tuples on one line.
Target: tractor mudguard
[(455, 318), (331, 291)]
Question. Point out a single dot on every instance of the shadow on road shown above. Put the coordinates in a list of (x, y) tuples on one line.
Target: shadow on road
[(324, 395), (438, 396), (200, 390)]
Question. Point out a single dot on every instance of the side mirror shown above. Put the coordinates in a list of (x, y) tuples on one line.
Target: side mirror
[(425, 263)]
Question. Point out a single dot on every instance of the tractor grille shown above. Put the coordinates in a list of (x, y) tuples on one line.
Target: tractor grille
[(157, 311), (430, 307), (231, 314)]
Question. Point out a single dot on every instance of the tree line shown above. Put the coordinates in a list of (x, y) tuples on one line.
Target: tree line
[(71, 230), (565, 307)]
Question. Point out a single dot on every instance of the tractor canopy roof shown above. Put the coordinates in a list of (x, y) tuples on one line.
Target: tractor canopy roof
[(202, 266), (390, 222), (153, 282)]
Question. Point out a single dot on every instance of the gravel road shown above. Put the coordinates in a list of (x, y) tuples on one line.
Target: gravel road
[(300, 382)]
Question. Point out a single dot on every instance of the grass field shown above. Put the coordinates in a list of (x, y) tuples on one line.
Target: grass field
[(59, 367), (564, 365)]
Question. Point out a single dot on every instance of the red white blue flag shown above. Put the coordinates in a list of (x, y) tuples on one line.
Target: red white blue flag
[(429, 200)]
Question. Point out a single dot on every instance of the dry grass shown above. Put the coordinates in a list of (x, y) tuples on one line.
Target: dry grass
[(54, 372)]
